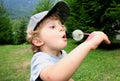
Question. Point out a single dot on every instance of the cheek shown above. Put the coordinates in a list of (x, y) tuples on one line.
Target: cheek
[(47, 36)]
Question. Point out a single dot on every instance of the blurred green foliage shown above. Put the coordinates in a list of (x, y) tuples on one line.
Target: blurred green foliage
[(5, 26), (19, 31)]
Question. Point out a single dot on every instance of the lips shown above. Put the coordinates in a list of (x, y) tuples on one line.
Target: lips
[(64, 37)]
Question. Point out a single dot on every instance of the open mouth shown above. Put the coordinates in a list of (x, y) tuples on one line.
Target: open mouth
[(64, 37)]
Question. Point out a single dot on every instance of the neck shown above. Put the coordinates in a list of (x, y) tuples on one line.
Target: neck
[(51, 51)]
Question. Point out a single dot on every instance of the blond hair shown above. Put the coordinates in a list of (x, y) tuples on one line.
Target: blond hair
[(35, 33)]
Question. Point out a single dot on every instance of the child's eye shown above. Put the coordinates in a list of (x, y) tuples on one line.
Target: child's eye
[(52, 27)]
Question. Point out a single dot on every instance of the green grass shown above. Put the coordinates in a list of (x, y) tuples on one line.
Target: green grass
[(99, 65), (15, 62)]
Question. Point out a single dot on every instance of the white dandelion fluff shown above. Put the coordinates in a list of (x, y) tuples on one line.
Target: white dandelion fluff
[(78, 35)]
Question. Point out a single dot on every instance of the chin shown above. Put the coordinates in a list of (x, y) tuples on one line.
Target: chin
[(64, 46)]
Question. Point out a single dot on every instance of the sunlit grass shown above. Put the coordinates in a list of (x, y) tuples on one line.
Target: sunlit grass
[(100, 65), (15, 62)]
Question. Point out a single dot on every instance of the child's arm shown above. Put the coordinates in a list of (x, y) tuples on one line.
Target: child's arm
[(70, 79), (65, 68)]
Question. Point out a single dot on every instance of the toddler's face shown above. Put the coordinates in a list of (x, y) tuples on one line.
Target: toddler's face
[(53, 34)]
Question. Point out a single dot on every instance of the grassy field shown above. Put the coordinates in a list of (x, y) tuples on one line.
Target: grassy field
[(99, 65)]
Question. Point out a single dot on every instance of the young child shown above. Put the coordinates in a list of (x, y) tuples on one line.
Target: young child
[(47, 35)]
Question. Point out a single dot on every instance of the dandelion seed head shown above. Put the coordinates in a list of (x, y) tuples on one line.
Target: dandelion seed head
[(77, 35)]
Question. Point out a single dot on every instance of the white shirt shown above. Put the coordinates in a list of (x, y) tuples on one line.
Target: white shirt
[(40, 60)]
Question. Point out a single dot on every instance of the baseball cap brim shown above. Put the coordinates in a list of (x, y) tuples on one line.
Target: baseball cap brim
[(60, 8)]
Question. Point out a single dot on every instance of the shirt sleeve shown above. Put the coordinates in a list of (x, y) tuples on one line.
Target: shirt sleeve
[(38, 63)]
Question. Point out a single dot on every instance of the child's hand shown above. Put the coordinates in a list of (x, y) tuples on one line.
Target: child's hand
[(95, 38)]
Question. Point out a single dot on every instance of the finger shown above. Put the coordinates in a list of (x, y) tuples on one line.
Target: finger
[(106, 40)]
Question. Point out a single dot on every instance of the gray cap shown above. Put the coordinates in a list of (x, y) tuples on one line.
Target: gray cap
[(60, 8)]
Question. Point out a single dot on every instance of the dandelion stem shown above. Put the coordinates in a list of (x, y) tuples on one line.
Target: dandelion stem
[(86, 33)]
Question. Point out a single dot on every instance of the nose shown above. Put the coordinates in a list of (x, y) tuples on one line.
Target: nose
[(62, 28)]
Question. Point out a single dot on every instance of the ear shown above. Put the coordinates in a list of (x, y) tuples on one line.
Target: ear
[(37, 42)]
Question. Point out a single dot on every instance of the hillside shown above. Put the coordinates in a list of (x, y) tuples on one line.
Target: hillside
[(19, 8)]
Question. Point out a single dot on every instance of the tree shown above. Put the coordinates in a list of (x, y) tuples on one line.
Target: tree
[(111, 20), (79, 17), (91, 15), (5, 26), (19, 31), (43, 5)]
